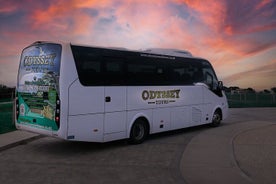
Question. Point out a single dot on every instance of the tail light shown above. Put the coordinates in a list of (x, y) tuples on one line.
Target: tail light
[(57, 113), (17, 107)]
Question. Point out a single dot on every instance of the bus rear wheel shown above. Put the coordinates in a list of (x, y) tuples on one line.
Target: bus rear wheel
[(216, 118), (139, 132)]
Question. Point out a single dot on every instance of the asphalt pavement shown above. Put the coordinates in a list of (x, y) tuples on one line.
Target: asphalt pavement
[(243, 150)]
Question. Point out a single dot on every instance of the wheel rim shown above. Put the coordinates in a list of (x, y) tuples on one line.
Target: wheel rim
[(216, 118), (138, 131)]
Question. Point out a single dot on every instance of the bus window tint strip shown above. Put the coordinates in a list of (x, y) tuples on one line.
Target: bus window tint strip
[(107, 67)]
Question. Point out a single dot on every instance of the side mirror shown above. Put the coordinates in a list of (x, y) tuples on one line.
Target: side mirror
[(220, 85)]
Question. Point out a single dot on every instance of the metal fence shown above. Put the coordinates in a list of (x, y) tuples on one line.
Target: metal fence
[(251, 99), (7, 96), (6, 117)]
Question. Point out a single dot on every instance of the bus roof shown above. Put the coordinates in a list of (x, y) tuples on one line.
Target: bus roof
[(155, 51), (170, 52)]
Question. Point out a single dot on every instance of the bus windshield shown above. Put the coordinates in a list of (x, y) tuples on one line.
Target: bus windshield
[(38, 86)]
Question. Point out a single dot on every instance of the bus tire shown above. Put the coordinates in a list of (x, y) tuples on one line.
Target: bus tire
[(216, 119), (139, 132)]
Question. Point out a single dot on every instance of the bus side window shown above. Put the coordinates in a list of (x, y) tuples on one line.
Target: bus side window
[(114, 72), (209, 80), (198, 76), (90, 73), (139, 73)]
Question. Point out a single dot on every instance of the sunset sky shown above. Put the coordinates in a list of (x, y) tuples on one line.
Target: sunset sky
[(237, 36)]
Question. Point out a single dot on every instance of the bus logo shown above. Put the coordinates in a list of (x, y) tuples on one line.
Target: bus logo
[(39, 60), (160, 97)]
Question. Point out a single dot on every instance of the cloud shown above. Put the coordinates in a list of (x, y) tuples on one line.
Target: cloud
[(250, 27), (210, 13), (250, 17), (61, 18), (224, 32), (242, 28), (258, 77)]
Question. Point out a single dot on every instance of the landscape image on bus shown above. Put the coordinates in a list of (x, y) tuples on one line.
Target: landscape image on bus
[(95, 94)]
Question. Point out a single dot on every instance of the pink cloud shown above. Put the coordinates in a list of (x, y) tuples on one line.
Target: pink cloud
[(262, 4), (8, 7), (250, 17), (212, 13), (224, 32), (258, 78), (56, 18)]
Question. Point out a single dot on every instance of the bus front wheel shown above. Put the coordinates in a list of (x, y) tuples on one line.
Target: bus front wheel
[(139, 132), (216, 118)]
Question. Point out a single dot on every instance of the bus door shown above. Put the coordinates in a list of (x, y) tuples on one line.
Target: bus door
[(211, 92), (115, 113), (114, 100)]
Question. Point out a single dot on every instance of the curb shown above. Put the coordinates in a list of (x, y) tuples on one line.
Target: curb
[(20, 142)]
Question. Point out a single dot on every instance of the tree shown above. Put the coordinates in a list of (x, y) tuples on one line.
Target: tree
[(2, 86), (273, 89), (250, 90), (226, 89), (6, 92), (266, 91)]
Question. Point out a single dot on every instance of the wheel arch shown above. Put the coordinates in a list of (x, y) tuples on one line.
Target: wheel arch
[(216, 117), (141, 116)]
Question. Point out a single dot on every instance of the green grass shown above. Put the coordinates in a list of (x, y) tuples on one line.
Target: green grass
[(6, 117)]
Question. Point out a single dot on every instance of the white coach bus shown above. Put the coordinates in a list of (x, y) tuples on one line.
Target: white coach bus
[(84, 93)]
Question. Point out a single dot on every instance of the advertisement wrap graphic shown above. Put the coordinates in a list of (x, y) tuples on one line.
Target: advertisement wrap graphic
[(37, 88)]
